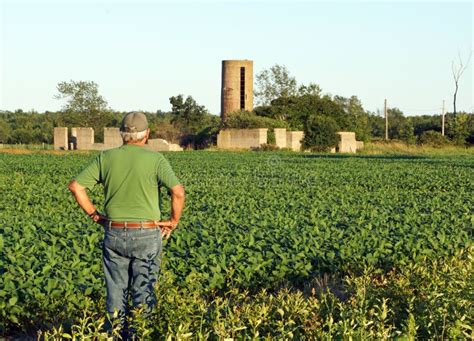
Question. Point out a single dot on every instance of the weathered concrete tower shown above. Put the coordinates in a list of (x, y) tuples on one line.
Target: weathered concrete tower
[(237, 86)]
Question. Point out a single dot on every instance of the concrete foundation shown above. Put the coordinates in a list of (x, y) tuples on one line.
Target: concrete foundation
[(112, 137), (242, 138), (60, 138)]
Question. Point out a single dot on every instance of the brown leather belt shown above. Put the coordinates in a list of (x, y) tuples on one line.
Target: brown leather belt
[(131, 224)]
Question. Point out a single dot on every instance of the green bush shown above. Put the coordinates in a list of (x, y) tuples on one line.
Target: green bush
[(432, 138), (266, 148), (248, 120), (271, 137), (320, 133)]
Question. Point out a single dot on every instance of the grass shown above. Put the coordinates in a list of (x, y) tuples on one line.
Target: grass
[(400, 148)]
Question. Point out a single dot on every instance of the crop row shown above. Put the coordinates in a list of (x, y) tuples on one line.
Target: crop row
[(252, 221)]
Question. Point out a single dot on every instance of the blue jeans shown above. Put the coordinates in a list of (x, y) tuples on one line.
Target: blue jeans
[(131, 260)]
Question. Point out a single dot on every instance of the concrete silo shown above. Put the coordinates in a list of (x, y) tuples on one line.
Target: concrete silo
[(237, 86)]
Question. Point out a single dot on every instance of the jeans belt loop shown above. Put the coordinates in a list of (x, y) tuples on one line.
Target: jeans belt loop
[(125, 226), (141, 225)]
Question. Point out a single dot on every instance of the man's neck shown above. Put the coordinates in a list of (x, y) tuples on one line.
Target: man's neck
[(140, 144)]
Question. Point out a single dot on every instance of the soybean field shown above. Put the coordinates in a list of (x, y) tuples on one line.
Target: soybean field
[(271, 245)]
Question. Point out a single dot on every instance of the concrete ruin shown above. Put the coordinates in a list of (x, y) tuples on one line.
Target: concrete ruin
[(348, 143), (112, 137), (60, 138), (82, 138), (280, 137), (237, 86), (288, 139), (161, 145), (241, 138), (253, 138)]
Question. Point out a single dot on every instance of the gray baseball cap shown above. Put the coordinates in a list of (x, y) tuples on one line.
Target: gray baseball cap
[(134, 122)]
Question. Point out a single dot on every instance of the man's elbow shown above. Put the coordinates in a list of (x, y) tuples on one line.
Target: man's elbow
[(178, 192), (73, 186)]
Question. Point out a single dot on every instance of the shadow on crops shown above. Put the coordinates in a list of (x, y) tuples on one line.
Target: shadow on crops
[(457, 161), (364, 157)]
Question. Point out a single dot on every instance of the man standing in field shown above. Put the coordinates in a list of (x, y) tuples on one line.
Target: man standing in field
[(131, 176)]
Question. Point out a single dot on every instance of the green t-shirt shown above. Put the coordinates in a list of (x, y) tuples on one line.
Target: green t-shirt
[(131, 176)]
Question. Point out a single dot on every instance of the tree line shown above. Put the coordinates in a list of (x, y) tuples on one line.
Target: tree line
[(281, 102)]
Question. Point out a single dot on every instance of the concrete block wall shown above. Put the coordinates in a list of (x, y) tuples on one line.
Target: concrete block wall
[(293, 140), (60, 138), (347, 142), (112, 137), (242, 138), (280, 137), (84, 138), (224, 139)]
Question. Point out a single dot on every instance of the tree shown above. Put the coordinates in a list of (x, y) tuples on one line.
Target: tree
[(82, 97), (198, 127), (377, 125), (320, 133), (4, 131), (458, 70), (187, 114), (432, 138), (274, 83), (84, 105), (355, 118), (249, 120), (312, 89), (406, 131), (396, 122), (457, 128)]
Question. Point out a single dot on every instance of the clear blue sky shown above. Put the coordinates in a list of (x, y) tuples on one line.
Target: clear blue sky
[(141, 53)]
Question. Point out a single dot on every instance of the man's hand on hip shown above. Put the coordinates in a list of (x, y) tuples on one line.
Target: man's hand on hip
[(98, 218), (167, 226)]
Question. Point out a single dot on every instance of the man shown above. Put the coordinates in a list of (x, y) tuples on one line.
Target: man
[(131, 176)]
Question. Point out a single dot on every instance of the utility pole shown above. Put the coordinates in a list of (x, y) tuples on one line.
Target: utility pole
[(386, 120), (442, 120)]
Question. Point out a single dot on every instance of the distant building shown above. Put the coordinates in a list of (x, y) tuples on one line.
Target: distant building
[(237, 86)]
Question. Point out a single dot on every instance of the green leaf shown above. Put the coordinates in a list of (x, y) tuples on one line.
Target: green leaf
[(12, 301)]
